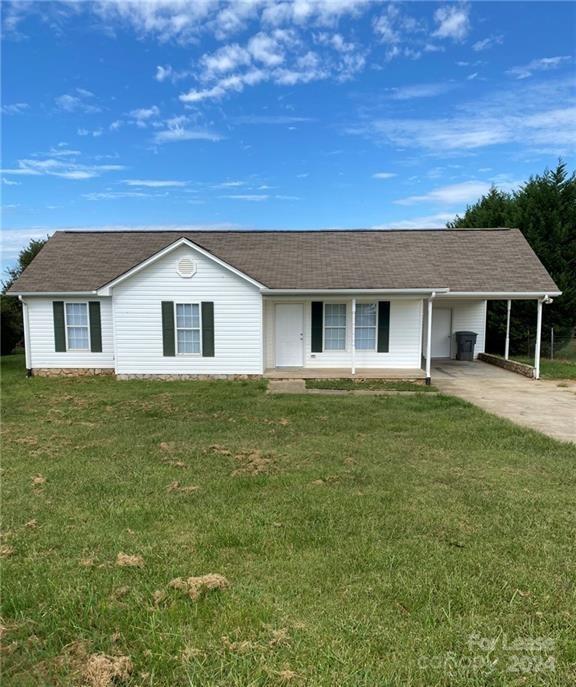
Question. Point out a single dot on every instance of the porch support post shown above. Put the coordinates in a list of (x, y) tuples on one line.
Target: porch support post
[(353, 355), (507, 345), (538, 341), (429, 340)]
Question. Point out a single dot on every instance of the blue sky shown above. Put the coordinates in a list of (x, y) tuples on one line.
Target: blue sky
[(275, 114)]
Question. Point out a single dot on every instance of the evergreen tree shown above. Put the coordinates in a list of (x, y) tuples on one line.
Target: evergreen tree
[(544, 209), (10, 306)]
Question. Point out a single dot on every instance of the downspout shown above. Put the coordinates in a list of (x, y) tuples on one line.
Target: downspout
[(25, 321), (429, 339), (353, 336)]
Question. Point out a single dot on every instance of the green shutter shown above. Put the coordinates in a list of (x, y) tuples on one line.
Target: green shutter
[(59, 327), (168, 344), (317, 326), (207, 329), (95, 327), (383, 326)]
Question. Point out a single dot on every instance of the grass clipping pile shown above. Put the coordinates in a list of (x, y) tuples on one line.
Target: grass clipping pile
[(195, 587), (105, 671)]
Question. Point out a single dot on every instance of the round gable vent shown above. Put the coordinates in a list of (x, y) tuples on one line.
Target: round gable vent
[(186, 267)]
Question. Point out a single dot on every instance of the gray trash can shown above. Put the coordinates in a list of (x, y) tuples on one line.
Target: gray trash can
[(465, 342)]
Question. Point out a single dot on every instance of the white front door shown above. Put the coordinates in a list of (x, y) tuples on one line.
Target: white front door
[(289, 335), (441, 326)]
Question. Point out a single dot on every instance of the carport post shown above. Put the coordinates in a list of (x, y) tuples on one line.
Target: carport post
[(507, 346), (538, 340)]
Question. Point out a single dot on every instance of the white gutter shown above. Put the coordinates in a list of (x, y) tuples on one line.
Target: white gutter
[(520, 295), (52, 293), (339, 292)]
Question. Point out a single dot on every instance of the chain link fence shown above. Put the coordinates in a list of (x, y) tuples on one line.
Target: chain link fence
[(552, 346)]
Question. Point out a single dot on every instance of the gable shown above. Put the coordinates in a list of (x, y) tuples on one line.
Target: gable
[(184, 257), (166, 274)]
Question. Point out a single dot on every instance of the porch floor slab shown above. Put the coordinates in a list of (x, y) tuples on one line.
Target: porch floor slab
[(342, 373)]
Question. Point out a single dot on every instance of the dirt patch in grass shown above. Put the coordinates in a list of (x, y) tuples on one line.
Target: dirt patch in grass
[(6, 551), (38, 480), (125, 560), (367, 385), (104, 671), (253, 462), (249, 461), (195, 587)]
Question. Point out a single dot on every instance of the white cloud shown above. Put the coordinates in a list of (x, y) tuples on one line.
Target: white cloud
[(488, 43), (426, 90), (143, 115), (520, 116), (154, 183), (259, 197), (453, 21), (14, 108), (230, 184), (384, 175), (62, 167), (95, 133), (454, 194), (115, 195), (541, 65), (436, 221), (272, 119), (278, 56), (79, 101), (253, 197), (178, 129), (7, 182)]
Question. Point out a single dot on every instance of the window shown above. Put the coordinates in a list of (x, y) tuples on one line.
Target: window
[(187, 328), (334, 327), (77, 326), (365, 330)]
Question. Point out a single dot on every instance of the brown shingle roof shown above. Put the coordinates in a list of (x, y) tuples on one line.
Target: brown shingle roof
[(462, 260)]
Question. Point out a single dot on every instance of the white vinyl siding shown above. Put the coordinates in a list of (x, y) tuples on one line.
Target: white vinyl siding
[(41, 343), (405, 336), (467, 315), (138, 318), (187, 328)]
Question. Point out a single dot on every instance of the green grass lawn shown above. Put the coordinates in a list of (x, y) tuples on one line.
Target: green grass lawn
[(552, 369), (367, 384), (367, 541)]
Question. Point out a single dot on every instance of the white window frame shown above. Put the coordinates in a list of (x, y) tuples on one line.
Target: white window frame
[(324, 327), (188, 329), (66, 325), (356, 327)]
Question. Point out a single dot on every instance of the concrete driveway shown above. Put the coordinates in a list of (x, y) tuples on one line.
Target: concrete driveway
[(542, 405)]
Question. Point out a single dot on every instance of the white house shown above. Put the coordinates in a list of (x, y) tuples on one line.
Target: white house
[(250, 303)]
